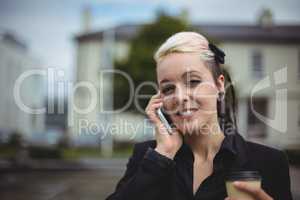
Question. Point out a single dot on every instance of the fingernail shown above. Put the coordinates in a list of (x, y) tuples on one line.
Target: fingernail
[(237, 183)]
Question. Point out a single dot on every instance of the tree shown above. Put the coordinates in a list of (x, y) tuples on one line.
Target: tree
[(15, 139), (140, 64)]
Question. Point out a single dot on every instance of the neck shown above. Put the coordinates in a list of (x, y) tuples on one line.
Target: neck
[(205, 145)]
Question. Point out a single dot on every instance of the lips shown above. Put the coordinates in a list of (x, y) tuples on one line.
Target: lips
[(187, 113)]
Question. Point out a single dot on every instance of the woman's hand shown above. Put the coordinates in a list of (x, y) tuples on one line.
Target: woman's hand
[(167, 144), (256, 193)]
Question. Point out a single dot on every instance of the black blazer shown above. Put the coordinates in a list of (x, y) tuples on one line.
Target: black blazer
[(152, 176)]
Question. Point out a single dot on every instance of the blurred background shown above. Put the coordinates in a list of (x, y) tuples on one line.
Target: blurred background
[(66, 65)]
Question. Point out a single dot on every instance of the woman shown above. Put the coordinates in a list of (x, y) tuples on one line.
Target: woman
[(191, 163)]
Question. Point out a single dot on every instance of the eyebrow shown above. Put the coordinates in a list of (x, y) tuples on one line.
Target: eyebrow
[(189, 72), (183, 75)]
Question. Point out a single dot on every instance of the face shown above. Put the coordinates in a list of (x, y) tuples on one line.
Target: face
[(189, 91)]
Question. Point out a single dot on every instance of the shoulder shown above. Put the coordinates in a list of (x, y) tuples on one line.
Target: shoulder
[(263, 150), (266, 155), (273, 165)]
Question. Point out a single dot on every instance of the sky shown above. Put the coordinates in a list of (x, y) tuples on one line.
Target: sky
[(49, 27)]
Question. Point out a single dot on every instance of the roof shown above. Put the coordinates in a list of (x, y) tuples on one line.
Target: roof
[(11, 39), (234, 33), (122, 32)]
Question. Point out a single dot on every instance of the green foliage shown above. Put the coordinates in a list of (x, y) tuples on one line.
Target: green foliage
[(15, 140), (7, 151), (140, 64), (42, 152), (120, 151), (81, 152), (63, 142)]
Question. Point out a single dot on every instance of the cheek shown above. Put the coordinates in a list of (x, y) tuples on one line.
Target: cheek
[(206, 98), (170, 104)]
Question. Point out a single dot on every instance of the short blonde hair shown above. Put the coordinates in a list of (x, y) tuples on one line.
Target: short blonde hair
[(185, 42)]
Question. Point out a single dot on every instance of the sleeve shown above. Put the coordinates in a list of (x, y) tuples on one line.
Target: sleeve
[(146, 176), (283, 184)]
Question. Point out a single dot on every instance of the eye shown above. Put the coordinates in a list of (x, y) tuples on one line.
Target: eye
[(168, 89), (193, 82)]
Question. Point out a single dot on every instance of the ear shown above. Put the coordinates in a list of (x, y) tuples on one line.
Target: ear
[(221, 83)]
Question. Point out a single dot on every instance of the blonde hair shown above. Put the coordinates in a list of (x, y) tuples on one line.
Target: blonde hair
[(185, 42)]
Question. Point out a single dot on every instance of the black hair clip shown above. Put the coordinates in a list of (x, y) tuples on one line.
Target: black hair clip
[(219, 54)]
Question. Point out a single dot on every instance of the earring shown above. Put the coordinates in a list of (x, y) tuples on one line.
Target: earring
[(221, 96), (222, 110), (221, 99)]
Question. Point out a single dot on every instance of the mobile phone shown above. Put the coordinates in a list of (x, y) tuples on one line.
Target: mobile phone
[(165, 119)]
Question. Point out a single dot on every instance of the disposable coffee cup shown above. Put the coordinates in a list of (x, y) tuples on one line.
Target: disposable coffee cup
[(252, 178)]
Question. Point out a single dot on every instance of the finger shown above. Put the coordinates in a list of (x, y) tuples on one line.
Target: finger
[(156, 100), (162, 130), (157, 95), (230, 198), (151, 102), (151, 111), (258, 193), (153, 107)]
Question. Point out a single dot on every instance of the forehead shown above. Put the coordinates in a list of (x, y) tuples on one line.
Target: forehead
[(174, 65)]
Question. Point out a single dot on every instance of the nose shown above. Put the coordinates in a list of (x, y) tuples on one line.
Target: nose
[(182, 95), (178, 100)]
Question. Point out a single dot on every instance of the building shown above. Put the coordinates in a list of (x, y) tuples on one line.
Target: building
[(15, 60), (263, 59), (56, 122), (265, 65)]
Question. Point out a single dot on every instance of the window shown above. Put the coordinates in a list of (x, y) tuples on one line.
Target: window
[(299, 64), (256, 127), (257, 64), (299, 115)]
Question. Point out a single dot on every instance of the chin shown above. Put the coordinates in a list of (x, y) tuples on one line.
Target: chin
[(189, 128)]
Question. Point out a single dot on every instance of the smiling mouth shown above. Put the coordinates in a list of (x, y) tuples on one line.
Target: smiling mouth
[(186, 113)]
